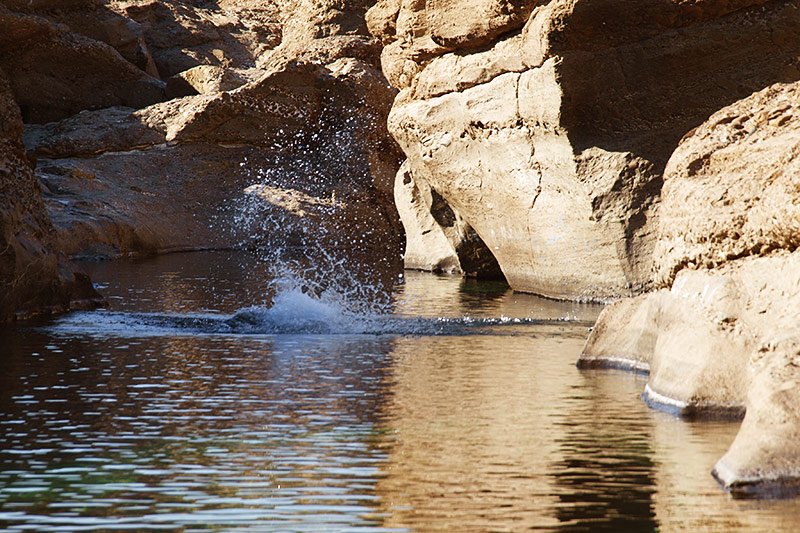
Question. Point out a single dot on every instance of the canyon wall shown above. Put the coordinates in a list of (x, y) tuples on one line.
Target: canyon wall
[(546, 126), (573, 139), (146, 121), (722, 335), (34, 277)]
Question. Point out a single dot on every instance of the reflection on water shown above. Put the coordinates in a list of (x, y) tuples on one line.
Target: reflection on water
[(344, 432)]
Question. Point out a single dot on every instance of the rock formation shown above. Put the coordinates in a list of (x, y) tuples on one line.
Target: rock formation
[(572, 137), (33, 277), (147, 120), (546, 126), (721, 337)]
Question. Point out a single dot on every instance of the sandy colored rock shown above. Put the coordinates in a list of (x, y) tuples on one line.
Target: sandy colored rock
[(763, 460), (723, 338), (437, 238), (171, 176), (550, 139), (755, 209), (205, 79)]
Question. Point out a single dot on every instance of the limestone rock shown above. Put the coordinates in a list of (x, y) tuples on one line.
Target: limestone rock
[(754, 146), (550, 134), (763, 460), (55, 73), (204, 79), (165, 178), (96, 20), (182, 35), (34, 279), (723, 338), (437, 238)]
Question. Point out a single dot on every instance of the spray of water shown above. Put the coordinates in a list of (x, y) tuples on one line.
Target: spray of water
[(314, 215)]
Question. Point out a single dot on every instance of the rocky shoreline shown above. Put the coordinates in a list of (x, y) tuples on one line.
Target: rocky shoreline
[(573, 138), (645, 153)]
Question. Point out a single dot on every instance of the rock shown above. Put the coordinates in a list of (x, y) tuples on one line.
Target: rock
[(92, 132), (34, 279), (723, 338), (707, 221), (549, 133), (184, 34), (55, 73), (94, 19), (204, 79), (167, 177), (437, 238), (763, 459)]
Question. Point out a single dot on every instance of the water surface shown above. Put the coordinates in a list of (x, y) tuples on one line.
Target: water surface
[(449, 415)]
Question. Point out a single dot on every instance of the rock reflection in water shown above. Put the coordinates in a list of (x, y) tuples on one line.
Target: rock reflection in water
[(489, 428)]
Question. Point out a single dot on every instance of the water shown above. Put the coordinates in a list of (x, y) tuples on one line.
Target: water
[(160, 414)]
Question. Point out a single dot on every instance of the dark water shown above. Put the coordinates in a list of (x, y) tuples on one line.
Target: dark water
[(112, 421)]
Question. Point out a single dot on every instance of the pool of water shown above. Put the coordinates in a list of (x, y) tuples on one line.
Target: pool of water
[(461, 411)]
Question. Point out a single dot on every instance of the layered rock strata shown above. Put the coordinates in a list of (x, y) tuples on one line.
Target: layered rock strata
[(546, 126), (721, 337)]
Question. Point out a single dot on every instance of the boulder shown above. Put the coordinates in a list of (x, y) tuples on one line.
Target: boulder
[(723, 338), (437, 238), (548, 130), (55, 73), (755, 210), (171, 176)]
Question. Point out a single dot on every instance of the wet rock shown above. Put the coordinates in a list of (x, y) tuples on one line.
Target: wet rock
[(549, 133), (166, 178)]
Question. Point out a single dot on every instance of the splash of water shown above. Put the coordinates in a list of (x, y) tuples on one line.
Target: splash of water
[(292, 312), (309, 216)]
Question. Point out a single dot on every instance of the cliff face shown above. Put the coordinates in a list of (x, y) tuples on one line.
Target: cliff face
[(546, 126), (722, 336), (573, 137), (33, 277), (145, 121)]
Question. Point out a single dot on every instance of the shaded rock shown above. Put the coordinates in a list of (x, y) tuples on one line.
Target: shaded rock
[(34, 279), (437, 238), (168, 177), (55, 73), (184, 34), (92, 132), (98, 21), (550, 138)]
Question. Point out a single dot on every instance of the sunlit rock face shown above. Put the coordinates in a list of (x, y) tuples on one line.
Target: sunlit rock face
[(721, 338), (546, 126), (33, 278)]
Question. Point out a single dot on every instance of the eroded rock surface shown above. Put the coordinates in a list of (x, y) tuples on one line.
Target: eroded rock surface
[(722, 339), (547, 126), (34, 278)]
